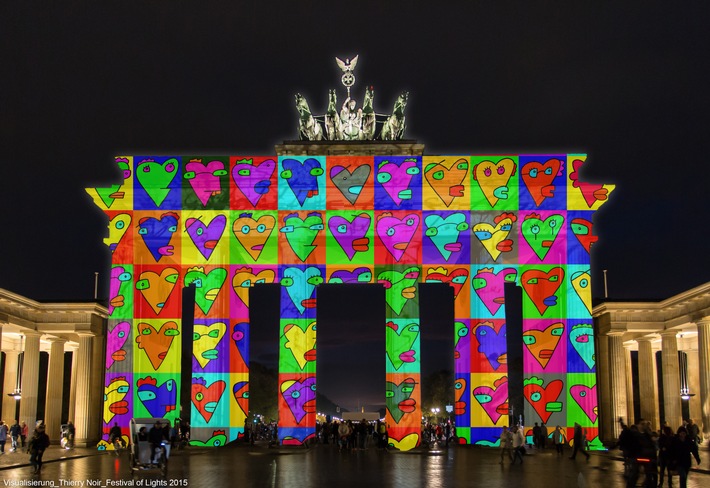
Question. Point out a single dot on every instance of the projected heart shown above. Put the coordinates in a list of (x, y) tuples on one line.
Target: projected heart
[(157, 234), (244, 278), (582, 339), (456, 278), (300, 396), (444, 232), (492, 344), (406, 443), (204, 342), (581, 281), (493, 400), (351, 235), (156, 342), (205, 178), (396, 234), (206, 398), (447, 179), (490, 286), (541, 287), (399, 287), (395, 179), (543, 343), (300, 234), (399, 398), (538, 178), (240, 390), (543, 399), (350, 184), (206, 237), (591, 192), (582, 230), (301, 343), (207, 285), (493, 178), (252, 234), (495, 238), (253, 180), (115, 340), (300, 285), (401, 342), (586, 398), (302, 177), (541, 234), (156, 288), (117, 228), (155, 178)]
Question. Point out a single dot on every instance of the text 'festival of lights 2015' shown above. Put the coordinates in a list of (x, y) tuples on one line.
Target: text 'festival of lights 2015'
[(226, 223)]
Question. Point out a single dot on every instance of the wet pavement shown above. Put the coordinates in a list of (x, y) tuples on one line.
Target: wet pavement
[(325, 466)]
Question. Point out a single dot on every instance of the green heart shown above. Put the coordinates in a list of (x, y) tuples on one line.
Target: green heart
[(541, 234), (155, 178), (207, 286)]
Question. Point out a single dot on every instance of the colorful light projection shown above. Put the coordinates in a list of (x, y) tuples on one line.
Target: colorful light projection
[(225, 224)]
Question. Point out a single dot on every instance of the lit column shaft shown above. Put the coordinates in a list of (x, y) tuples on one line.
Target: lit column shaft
[(605, 396), (704, 366), (648, 393), (617, 381), (30, 380), (671, 379), (82, 411), (629, 387), (55, 384)]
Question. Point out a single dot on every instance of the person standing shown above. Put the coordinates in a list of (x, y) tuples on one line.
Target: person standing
[(558, 437), (543, 436), (15, 430), (681, 449), (155, 436), (665, 442), (506, 441), (36, 447), (3, 436), (536, 435), (518, 444), (24, 432), (578, 441)]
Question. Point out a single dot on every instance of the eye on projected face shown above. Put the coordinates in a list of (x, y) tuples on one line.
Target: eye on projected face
[(252, 234), (300, 233)]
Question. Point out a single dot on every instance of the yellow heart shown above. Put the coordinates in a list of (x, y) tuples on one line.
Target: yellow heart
[(494, 239), (206, 338), (407, 443)]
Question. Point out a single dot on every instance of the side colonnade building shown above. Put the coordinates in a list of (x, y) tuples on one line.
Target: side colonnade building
[(655, 361)]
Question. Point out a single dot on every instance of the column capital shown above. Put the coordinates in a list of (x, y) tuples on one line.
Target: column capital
[(60, 340), (704, 322), (669, 333), (643, 339), (616, 333), (30, 333)]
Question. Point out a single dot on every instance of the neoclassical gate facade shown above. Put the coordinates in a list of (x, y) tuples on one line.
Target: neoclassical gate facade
[(226, 223)]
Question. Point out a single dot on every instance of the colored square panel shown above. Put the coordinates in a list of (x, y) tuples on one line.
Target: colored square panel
[(494, 182), (158, 294), (156, 185), (302, 182), (487, 437), (462, 399), (583, 195), (156, 237), (241, 279), (121, 286), (446, 181), (489, 347), (157, 345), (119, 347), (403, 400), (544, 291), (398, 237), (402, 346), (404, 438), (580, 237), (545, 398), (296, 436), (401, 289), (349, 274), (457, 278), (298, 290), (350, 182), (462, 346), (255, 237), (297, 342), (581, 357), (296, 400), (118, 399), (120, 196), (543, 237), (579, 291), (205, 183), (349, 237), (211, 286), (157, 396), (544, 346), (205, 237), (238, 399), (238, 346), (488, 283), (489, 399), (120, 236), (398, 183), (543, 182), (210, 346), (582, 399), (463, 434), (254, 183), (209, 398), (495, 237), (447, 238), (302, 237)]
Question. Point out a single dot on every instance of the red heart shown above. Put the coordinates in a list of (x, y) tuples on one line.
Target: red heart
[(541, 287), (207, 398), (543, 400), (538, 178)]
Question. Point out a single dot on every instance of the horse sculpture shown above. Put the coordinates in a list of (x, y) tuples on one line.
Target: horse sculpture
[(368, 116), (333, 129), (393, 128), (309, 128)]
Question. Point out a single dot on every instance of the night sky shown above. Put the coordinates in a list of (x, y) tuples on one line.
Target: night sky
[(627, 83)]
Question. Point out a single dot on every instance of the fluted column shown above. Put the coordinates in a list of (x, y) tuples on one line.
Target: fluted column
[(55, 386), (30, 379), (629, 387), (604, 393), (648, 393), (72, 388), (704, 366), (9, 404), (82, 410), (617, 380), (671, 379)]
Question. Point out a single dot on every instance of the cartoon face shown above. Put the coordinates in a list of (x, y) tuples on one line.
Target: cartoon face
[(541, 287), (205, 179), (541, 234), (119, 285), (206, 237), (456, 278), (350, 184), (493, 400), (492, 344), (109, 195), (117, 228), (156, 343), (399, 287), (158, 400), (582, 230), (490, 286), (207, 285), (358, 275), (206, 398), (396, 179), (114, 394), (586, 398), (115, 340), (396, 234), (300, 234), (542, 343), (156, 288), (493, 178), (157, 233), (581, 283), (302, 344), (591, 192), (244, 278), (401, 343), (495, 238), (543, 399), (460, 394), (398, 398), (351, 235), (446, 179), (444, 232), (538, 178), (204, 341), (302, 178), (218, 438), (155, 178), (300, 396), (253, 180), (240, 390), (300, 284), (582, 339), (240, 336), (253, 234)]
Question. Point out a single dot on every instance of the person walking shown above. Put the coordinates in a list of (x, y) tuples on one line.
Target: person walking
[(36, 447), (665, 463), (681, 450), (24, 432), (518, 444), (578, 441), (506, 441), (3, 436), (15, 430), (558, 438)]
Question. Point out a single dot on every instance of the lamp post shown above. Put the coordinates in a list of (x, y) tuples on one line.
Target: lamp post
[(435, 413)]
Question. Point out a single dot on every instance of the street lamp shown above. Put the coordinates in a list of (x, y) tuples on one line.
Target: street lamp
[(435, 413)]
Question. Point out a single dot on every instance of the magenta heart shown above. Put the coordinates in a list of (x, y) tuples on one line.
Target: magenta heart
[(586, 398), (396, 234), (205, 179), (493, 400), (253, 180)]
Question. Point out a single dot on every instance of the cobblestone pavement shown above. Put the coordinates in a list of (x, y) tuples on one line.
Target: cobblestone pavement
[(325, 466)]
